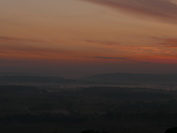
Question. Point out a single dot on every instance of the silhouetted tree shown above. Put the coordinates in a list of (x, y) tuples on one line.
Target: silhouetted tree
[(92, 131), (171, 130)]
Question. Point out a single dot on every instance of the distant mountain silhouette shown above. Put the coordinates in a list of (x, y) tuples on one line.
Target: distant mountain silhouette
[(132, 78), (111, 78), (33, 79)]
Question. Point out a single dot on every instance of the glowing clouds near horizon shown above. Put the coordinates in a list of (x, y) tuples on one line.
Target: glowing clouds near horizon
[(92, 35)]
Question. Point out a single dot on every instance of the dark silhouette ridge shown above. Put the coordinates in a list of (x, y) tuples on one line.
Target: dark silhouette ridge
[(132, 78), (34, 79)]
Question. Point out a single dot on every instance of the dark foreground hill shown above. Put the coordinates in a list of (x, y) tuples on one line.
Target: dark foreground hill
[(44, 109)]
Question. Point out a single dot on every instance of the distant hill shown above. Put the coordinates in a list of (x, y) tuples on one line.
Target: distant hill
[(111, 78), (33, 79), (131, 78)]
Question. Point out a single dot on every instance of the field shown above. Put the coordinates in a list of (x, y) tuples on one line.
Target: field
[(44, 109)]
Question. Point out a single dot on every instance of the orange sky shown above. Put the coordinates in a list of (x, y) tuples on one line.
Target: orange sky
[(77, 37)]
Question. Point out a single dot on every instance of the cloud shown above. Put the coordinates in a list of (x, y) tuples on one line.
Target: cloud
[(21, 48), (147, 62), (6, 38), (169, 42), (166, 42), (17, 61), (165, 9), (103, 42), (22, 45), (111, 58)]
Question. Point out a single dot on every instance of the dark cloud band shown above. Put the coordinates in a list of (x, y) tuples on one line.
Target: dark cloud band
[(115, 58), (165, 9)]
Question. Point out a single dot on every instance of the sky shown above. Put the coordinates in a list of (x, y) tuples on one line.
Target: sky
[(75, 38)]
